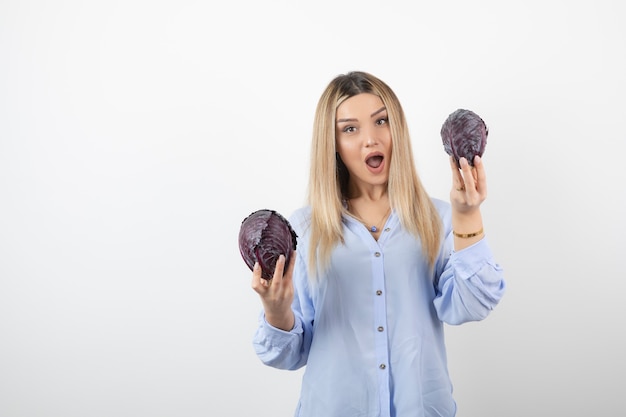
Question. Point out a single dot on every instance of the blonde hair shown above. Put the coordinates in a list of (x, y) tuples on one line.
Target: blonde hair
[(328, 176)]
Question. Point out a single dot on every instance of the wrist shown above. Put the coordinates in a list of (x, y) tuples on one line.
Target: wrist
[(281, 321), (467, 229), (467, 223), (468, 235)]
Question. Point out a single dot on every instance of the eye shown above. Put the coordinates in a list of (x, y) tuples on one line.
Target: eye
[(349, 129), (382, 121)]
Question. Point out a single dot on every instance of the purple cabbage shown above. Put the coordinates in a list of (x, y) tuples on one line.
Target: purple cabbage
[(464, 134), (263, 236)]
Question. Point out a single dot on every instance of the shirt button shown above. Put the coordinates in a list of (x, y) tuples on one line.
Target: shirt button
[(382, 366), (377, 254), (378, 292), (381, 328), (387, 229)]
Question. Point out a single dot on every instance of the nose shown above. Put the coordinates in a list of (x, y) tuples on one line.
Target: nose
[(371, 139)]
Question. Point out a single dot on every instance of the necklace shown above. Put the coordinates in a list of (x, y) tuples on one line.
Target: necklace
[(373, 228)]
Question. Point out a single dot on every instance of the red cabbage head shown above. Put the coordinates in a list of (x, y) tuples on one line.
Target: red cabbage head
[(464, 134), (263, 236)]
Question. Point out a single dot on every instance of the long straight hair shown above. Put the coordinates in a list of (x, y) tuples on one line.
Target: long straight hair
[(328, 176)]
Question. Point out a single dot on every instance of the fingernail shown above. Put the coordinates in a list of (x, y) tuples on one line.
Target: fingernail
[(256, 266)]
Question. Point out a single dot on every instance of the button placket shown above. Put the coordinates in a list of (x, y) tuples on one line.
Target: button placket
[(382, 342)]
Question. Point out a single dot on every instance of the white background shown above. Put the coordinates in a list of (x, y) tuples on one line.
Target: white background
[(136, 135)]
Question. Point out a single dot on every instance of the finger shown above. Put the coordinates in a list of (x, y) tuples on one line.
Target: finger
[(279, 269), (457, 179), (481, 176), (288, 274), (468, 176), (258, 283)]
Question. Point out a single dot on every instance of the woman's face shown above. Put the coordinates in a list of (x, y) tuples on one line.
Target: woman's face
[(363, 139)]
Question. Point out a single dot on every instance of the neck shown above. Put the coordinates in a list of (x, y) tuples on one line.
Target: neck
[(372, 213), (369, 194)]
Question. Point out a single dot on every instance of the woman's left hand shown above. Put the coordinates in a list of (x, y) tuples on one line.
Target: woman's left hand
[(469, 186)]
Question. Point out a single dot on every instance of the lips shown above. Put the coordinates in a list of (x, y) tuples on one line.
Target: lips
[(374, 161)]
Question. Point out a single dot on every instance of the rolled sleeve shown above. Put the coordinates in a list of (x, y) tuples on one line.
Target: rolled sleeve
[(276, 347), (470, 286)]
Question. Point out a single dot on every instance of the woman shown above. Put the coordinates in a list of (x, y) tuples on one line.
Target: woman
[(380, 266)]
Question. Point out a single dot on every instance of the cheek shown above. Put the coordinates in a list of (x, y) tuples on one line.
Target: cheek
[(348, 152), (389, 144)]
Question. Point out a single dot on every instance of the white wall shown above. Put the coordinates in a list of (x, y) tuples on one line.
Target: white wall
[(136, 135)]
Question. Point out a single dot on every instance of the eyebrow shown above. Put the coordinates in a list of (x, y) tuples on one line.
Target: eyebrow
[(371, 115)]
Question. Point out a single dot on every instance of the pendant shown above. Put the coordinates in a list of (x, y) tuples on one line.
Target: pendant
[(373, 229)]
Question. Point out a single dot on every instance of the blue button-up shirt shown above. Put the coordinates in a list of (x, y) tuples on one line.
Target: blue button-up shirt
[(370, 328)]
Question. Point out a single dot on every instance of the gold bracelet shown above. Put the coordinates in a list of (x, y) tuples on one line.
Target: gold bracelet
[(467, 235)]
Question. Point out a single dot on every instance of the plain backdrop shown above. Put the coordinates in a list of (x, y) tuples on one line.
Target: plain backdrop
[(136, 135)]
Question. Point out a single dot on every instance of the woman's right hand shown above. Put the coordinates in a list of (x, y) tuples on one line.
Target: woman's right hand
[(276, 294)]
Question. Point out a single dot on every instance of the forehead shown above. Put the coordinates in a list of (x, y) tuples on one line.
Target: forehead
[(359, 105)]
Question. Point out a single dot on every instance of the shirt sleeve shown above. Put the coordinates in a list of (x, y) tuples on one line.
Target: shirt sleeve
[(278, 348), (470, 284)]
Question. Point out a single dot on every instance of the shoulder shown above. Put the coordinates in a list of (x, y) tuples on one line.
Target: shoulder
[(300, 220), (442, 207)]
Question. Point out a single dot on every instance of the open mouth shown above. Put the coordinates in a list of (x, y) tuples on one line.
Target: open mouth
[(374, 161)]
